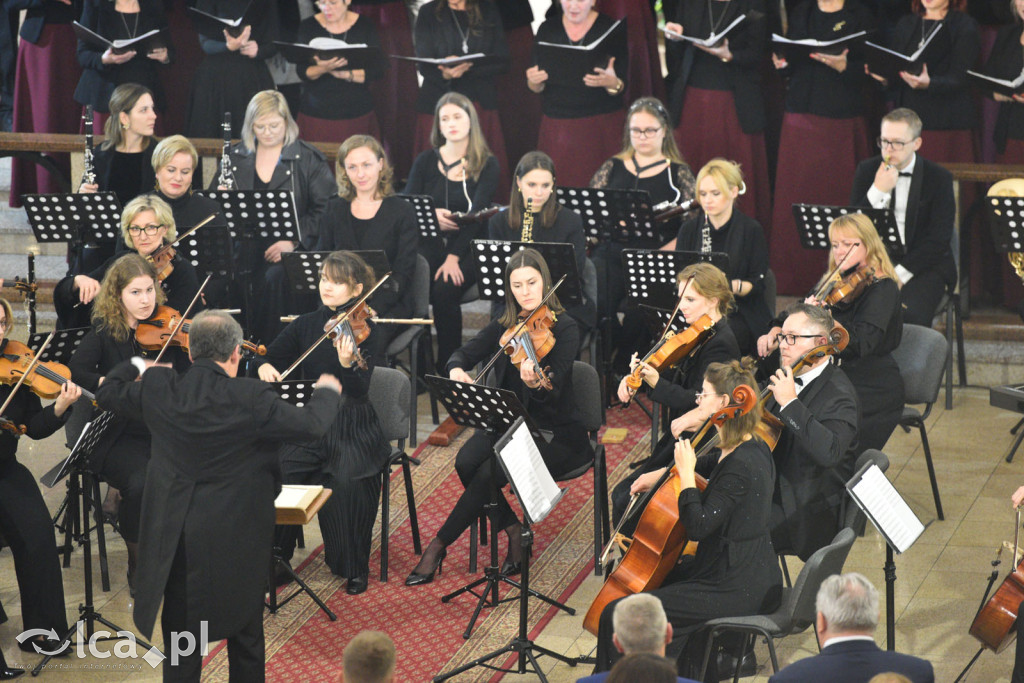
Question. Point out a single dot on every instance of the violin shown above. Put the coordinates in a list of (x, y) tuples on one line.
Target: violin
[(671, 349), (45, 378), (163, 255), (354, 324), (154, 332), (660, 536), (850, 287), (531, 339)]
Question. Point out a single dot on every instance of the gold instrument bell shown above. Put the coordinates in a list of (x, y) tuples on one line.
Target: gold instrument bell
[(1010, 187)]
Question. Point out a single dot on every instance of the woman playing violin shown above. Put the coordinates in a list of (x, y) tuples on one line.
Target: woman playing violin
[(735, 570), (349, 458), (128, 297), (24, 518), (705, 295), (147, 224), (527, 281), (874, 319)]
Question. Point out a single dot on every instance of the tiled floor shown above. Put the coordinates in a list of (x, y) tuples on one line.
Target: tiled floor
[(940, 580)]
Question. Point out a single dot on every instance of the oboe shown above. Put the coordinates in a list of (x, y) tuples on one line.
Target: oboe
[(227, 176), (527, 234), (88, 167)]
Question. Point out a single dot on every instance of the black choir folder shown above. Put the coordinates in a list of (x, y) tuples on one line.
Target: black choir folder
[(568, 64), (888, 63), (359, 55), (794, 50), (884, 506), (477, 59), (713, 39), (213, 26), (999, 85), (146, 43)]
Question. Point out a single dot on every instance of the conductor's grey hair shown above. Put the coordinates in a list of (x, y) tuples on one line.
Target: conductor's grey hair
[(848, 602), (215, 335), (639, 623)]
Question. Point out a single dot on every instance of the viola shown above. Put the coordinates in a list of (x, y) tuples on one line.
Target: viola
[(153, 333), (355, 326), (45, 378), (660, 536), (850, 287), (671, 349), (531, 339)]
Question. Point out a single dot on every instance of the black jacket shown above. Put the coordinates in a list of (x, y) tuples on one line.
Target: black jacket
[(211, 484), (42, 12), (1006, 61), (852, 662), (931, 211)]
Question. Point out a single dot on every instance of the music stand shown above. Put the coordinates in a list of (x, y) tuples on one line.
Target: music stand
[(656, 319), (77, 467), (92, 218), (612, 214), (426, 214), (494, 411), (298, 394), (518, 445), (63, 345), (492, 257), (812, 221), (651, 274), (303, 267)]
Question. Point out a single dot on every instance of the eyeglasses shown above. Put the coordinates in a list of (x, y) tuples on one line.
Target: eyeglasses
[(644, 132), (896, 145), (149, 230), (790, 339), (844, 245), (704, 394)]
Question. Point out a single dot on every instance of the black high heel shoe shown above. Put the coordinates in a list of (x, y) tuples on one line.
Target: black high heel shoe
[(415, 579)]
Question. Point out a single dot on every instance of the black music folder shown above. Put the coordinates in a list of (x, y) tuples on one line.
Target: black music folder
[(477, 58), (359, 55), (888, 63), (567, 64), (213, 26), (801, 50), (713, 39), (147, 42), (999, 85)]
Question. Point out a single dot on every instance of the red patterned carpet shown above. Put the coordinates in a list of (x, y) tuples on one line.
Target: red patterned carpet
[(303, 645)]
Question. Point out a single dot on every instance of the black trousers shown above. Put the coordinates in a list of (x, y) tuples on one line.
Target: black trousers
[(246, 650), (124, 468), (25, 523), (921, 296)]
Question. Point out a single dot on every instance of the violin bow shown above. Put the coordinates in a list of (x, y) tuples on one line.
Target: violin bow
[(194, 228), (341, 319), (522, 326), (35, 361), (184, 316), (819, 289)]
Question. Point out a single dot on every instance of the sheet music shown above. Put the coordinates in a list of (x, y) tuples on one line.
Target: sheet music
[(520, 458), (296, 496), (887, 509)]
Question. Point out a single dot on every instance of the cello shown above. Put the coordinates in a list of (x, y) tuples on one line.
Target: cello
[(994, 624), (660, 535)]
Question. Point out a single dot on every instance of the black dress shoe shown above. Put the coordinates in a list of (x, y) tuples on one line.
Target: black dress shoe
[(357, 585), (47, 645), (282, 573), (7, 673), (727, 665), (509, 568), (415, 579)]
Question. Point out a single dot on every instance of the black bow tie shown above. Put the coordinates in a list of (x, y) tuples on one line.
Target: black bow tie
[(906, 174), (799, 381)]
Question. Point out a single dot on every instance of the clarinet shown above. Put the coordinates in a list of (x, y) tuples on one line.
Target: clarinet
[(88, 167), (527, 235), (227, 176)]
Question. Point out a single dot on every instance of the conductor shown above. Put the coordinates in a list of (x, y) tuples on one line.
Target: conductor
[(208, 508)]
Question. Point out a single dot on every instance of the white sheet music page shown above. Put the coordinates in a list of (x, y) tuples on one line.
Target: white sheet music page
[(887, 509), (537, 490)]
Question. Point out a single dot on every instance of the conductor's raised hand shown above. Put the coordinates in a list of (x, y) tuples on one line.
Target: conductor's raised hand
[(328, 381), (460, 375), (69, 393)]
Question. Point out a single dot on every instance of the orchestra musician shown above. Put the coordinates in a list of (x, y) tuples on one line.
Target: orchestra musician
[(1017, 499), (874, 319), (703, 291), (723, 227), (128, 295), (735, 570), (365, 215), (349, 457), (25, 521), (147, 223), (174, 164), (527, 281), (461, 175)]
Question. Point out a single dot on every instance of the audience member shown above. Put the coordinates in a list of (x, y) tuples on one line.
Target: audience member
[(643, 667), (369, 658)]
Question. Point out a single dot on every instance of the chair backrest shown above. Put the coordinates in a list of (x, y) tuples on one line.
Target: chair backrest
[(389, 395), (587, 386), (588, 279), (800, 601), (771, 290), (855, 517), (921, 357), (421, 288)]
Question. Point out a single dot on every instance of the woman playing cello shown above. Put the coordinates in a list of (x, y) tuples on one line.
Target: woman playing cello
[(735, 570), (527, 281)]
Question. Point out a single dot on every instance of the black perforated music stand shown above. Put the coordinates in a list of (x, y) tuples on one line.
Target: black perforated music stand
[(617, 215), (426, 214), (303, 267), (210, 251), (91, 218), (812, 221), (492, 256), (657, 318), (62, 346), (651, 273), (1007, 218)]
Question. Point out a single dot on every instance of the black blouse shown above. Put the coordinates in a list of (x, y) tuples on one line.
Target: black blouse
[(567, 228), (328, 97), (675, 184), (579, 101), (875, 323), (125, 174), (1007, 62), (439, 35)]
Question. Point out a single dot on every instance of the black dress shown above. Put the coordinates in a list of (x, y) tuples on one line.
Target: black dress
[(331, 98), (458, 197), (735, 571), (875, 323), (1007, 61), (225, 81), (348, 459)]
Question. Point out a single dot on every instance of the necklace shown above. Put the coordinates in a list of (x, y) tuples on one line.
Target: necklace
[(458, 27), (340, 22), (931, 31), (711, 16), (135, 28)]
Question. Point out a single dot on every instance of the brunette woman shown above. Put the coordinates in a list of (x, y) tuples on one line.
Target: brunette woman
[(349, 458), (365, 215), (582, 118), (724, 228), (336, 100), (874, 320), (527, 280), (461, 175)]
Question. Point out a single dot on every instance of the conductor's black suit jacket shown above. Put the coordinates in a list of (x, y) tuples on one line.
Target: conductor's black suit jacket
[(211, 483)]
